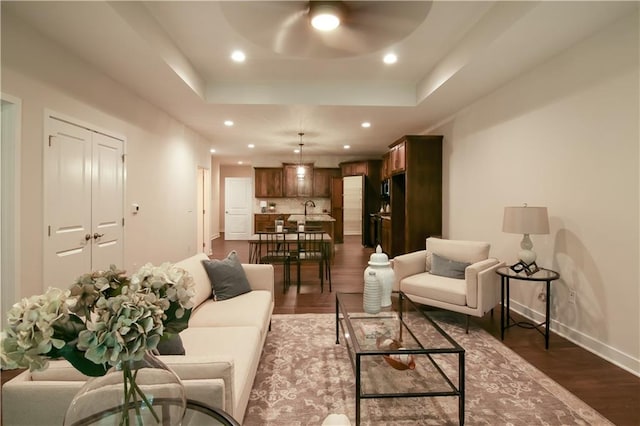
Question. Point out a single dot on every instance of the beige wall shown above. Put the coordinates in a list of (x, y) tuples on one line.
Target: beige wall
[(162, 153), (565, 136)]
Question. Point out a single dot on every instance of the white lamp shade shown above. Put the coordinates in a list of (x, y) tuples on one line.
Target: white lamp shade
[(525, 220)]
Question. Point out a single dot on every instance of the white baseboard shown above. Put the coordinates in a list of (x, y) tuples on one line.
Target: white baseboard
[(613, 355)]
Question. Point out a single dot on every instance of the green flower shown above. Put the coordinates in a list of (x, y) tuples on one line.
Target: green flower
[(104, 319)]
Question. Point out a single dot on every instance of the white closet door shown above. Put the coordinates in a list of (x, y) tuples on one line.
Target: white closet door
[(107, 202), (84, 187), (67, 204)]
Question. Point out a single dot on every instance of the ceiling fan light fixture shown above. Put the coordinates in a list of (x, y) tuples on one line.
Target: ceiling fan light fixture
[(390, 58), (325, 16)]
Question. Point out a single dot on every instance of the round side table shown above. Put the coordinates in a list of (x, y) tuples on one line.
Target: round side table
[(506, 275)]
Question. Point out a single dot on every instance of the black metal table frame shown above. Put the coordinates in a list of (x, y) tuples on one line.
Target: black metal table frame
[(506, 321), (355, 363), (221, 416)]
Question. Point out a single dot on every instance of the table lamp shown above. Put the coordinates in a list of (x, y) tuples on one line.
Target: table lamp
[(526, 220)]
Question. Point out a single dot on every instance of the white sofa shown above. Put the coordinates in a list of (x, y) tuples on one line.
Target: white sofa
[(475, 294), (223, 345)]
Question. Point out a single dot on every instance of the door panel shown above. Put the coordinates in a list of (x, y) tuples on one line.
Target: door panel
[(107, 202), (237, 206), (68, 204)]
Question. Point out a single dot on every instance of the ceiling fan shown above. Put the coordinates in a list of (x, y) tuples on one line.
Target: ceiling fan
[(285, 26)]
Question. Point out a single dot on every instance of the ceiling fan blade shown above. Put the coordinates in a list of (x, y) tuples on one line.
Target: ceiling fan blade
[(283, 26)]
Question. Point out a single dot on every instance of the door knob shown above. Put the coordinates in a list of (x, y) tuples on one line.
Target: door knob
[(96, 235), (87, 237)]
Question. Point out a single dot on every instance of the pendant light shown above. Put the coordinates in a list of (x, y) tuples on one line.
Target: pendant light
[(300, 171)]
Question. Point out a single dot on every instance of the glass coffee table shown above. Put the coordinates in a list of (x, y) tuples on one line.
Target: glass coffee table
[(399, 352)]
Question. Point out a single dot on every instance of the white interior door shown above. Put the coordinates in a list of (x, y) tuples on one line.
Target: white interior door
[(67, 204), (84, 186), (107, 203), (237, 208)]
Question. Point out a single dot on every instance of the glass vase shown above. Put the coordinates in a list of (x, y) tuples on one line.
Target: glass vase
[(144, 392)]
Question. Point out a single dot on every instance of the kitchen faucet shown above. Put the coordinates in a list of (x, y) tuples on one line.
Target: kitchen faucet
[(308, 203)]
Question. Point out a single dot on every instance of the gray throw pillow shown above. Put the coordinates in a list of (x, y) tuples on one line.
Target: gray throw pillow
[(171, 346), (227, 277), (446, 267)]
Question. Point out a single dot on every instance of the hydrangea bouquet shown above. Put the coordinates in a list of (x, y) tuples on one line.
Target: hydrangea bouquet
[(105, 319)]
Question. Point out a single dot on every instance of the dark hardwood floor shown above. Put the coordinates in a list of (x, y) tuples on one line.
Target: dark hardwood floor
[(610, 390)]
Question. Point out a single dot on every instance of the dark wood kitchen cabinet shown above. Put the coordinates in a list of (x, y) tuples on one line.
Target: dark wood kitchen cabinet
[(322, 181), (415, 192), (268, 182), (294, 187)]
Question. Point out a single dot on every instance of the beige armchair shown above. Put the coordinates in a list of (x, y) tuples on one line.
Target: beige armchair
[(454, 275)]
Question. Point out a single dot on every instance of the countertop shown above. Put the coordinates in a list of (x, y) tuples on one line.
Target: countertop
[(311, 218)]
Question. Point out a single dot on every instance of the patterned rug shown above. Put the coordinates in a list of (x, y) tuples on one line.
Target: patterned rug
[(304, 376)]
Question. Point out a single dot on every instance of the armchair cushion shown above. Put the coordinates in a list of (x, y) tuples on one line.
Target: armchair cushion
[(458, 250), (442, 266), (435, 287)]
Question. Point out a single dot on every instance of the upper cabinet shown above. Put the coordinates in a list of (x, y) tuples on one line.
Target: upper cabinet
[(354, 168), (397, 157), (268, 182), (283, 182), (322, 181), (386, 165), (294, 187)]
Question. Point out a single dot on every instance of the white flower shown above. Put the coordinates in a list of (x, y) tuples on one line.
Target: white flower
[(30, 333)]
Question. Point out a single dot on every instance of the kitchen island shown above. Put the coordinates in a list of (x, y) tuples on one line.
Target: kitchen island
[(320, 221), (317, 221)]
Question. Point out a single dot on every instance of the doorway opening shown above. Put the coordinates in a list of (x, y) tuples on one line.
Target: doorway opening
[(352, 205), (204, 211), (9, 202)]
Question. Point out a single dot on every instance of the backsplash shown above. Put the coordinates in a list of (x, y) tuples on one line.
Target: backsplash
[(293, 205)]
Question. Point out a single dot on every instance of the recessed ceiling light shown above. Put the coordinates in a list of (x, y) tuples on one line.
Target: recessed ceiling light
[(347, 147), (240, 162), (390, 58), (238, 56), (228, 123), (296, 151), (212, 151), (251, 145), (366, 124)]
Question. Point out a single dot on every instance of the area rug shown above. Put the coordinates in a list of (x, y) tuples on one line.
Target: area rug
[(304, 376)]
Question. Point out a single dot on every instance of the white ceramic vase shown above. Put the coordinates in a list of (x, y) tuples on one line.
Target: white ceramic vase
[(380, 265), (372, 293)]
